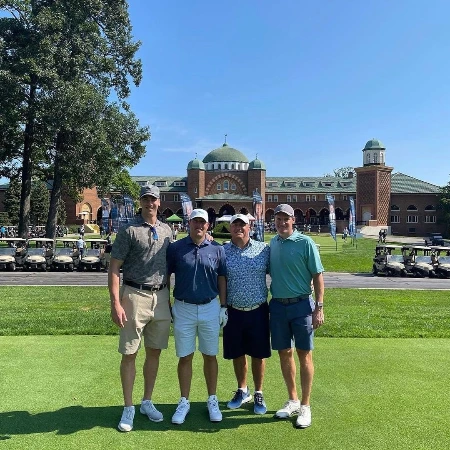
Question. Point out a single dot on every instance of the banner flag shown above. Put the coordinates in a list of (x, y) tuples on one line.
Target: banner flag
[(332, 216), (105, 214), (258, 213), (352, 218), (186, 204), (126, 210)]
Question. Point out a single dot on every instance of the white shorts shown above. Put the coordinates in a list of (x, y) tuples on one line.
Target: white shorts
[(188, 320)]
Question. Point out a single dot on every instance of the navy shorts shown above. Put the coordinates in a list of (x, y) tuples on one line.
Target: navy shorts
[(291, 324), (247, 333)]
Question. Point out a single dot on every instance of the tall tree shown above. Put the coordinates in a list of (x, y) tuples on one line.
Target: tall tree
[(12, 201), (444, 206), (46, 47), (39, 202)]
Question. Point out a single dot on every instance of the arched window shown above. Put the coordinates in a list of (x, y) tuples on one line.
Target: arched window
[(375, 158), (219, 166), (411, 208), (226, 167), (395, 208), (368, 157), (430, 208), (233, 186), (232, 166), (226, 185)]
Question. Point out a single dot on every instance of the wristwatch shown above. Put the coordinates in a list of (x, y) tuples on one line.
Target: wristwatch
[(319, 305)]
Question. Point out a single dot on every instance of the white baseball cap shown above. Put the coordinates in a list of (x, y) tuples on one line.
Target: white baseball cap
[(201, 213), (242, 217)]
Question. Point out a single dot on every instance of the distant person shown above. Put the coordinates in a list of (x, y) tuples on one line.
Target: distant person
[(175, 233), (81, 245), (345, 234), (2, 231), (140, 307), (82, 230), (200, 277), (294, 264)]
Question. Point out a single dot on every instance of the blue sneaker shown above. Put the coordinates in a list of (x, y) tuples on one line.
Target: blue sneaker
[(260, 405), (240, 397)]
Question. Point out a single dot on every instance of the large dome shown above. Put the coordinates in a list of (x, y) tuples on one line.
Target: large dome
[(225, 154), (374, 144)]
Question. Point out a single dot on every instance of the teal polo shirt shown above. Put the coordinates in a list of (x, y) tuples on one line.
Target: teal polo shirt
[(293, 262)]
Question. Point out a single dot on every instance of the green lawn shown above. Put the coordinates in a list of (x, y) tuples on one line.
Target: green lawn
[(63, 392)]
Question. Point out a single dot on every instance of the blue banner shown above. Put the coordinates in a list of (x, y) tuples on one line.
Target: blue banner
[(352, 218), (126, 210), (186, 204), (105, 214), (258, 213), (332, 216)]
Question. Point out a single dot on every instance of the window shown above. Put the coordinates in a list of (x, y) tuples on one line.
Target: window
[(226, 185), (232, 168), (160, 183), (290, 183), (412, 219), (395, 219), (271, 183), (269, 198), (219, 186), (275, 198), (313, 198), (411, 208), (226, 167), (233, 186), (307, 198), (411, 230), (288, 198), (344, 197), (395, 208), (195, 189), (375, 158), (430, 219), (176, 198), (368, 158), (163, 197), (294, 198), (179, 183), (430, 208), (327, 184), (219, 166)]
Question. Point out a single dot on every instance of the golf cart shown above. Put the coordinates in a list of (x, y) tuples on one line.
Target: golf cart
[(94, 255), (419, 261), (13, 255), (388, 261), (39, 254), (442, 265), (66, 257), (434, 239)]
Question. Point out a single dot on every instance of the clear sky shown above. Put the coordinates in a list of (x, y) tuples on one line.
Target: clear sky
[(303, 84)]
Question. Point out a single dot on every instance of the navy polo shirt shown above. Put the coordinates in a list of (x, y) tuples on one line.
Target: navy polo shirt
[(196, 268)]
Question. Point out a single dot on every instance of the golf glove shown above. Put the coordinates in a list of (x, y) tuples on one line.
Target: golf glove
[(223, 317)]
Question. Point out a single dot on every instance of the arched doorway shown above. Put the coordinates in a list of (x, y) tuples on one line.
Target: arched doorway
[(324, 216), (269, 216), (212, 216), (298, 214), (226, 209)]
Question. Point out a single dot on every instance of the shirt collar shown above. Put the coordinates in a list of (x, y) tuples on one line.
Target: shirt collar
[(293, 237), (249, 244), (191, 242)]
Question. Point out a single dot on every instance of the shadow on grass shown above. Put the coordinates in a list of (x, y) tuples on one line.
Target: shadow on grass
[(77, 418)]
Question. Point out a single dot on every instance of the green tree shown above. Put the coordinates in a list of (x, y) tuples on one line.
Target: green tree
[(444, 206), (61, 215), (342, 172), (39, 202), (12, 201)]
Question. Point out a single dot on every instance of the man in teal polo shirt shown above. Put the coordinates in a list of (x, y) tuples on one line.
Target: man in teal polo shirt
[(295, 265)]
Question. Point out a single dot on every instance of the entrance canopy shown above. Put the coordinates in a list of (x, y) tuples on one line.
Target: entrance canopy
[(174, 218), (224, 218)]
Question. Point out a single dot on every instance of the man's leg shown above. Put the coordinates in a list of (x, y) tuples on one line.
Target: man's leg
[(258, 368), (306, 374), (211, 371), (150, 370), (240, 370), (127, 376), (185, 374), (288, 369)]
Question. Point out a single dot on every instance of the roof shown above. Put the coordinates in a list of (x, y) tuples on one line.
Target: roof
[(312, 185), (196, 164), (225, 196), (404, 184), (374, 144), (225, 154), (256, 164), (170, 182)]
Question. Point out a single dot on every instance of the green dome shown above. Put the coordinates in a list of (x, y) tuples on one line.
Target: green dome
[(196, 164), (374, 144), (225, 154), (256, 164)]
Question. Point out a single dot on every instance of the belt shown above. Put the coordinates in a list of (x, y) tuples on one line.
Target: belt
[(200, 302), (246, 308), (287, 301), (144, 287)]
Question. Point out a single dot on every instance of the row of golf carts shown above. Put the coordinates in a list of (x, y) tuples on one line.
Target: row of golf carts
[(412, 260), (58, 254)]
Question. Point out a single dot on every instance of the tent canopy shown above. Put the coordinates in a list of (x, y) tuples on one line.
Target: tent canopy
[(174, 218)]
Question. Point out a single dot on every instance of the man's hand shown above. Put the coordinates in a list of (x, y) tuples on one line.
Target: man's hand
[(118, 315), (318, 318), (223, 317)]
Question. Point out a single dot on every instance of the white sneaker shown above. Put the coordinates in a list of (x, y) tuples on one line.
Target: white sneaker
[(148, 408), (290, 408), (126, 421), (304, 417), (213, 408), (181, 412)]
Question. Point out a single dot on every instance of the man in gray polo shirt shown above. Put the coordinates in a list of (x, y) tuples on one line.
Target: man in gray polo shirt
[(140, 307)]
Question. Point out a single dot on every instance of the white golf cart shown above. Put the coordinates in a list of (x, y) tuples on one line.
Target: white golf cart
[(12, 255), (94, 255), (442, 258), (388, 260), (66, 257), (39, 255)]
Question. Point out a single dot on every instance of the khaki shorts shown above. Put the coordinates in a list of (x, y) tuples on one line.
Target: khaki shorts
[(148, 316)]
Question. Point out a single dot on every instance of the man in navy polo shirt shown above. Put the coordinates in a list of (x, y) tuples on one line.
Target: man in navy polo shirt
[(200, 276)]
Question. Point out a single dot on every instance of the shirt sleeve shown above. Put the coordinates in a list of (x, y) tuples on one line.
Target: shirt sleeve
[(121, 245), (222, 269)]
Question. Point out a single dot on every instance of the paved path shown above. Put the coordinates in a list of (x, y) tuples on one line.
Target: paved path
[(332, 280)]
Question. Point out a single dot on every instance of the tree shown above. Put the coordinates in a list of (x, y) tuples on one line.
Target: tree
[(12, 201), (46, 47), (39, 202), (343, 172), (444, 206)]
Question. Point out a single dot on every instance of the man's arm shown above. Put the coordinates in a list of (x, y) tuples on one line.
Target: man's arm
[(222, 285), (319, 289), (117, 312)]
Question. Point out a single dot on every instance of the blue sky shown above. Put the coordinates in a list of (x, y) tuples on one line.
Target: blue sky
[(302, 84)]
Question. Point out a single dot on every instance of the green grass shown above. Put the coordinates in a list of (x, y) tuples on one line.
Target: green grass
[(64, 393), (62, 310)]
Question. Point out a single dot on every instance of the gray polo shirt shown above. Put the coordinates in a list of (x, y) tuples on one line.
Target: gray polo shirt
[(143, 256)]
